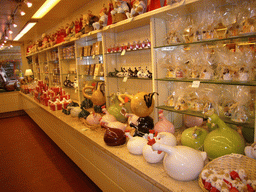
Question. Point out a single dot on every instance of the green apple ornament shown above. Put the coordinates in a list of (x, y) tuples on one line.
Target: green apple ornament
[(194, 137)]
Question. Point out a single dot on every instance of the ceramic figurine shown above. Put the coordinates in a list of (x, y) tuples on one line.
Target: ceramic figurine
[(107, 117), (135, 144), (112, 124), (93, 119), (194, 137), (74, 111), (84, 114), (117, 109), (166, 138), (163, 125), (192, 121), (132, 120), (250, 151), (120, 11), (223, 140), (142, 103), (153, 4), (86, 104), (114, 137), (121, 73), (145, 125), (150, 155), (103, 19), (138, 7), (181, 162), (97, 97), (111, 7)]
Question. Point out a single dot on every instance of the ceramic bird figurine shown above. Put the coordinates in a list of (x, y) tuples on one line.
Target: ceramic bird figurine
[(163, 125)]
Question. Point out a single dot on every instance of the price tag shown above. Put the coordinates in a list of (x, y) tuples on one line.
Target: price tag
[(75, 90), (123, 52), (196, 84), (82, 76), (94, 77), (125, 79), (81, 58), (93, 56)]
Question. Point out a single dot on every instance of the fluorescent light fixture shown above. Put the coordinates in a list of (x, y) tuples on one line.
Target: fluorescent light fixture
[(24, 30), (45, 8)]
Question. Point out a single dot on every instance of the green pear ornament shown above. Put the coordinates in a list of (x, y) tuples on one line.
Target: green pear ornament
[(223, 140)]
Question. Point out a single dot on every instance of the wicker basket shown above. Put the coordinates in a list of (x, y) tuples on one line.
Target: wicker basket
[(231, 162)]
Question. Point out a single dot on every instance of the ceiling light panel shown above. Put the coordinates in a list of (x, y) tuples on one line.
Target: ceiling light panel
[(45, 8)]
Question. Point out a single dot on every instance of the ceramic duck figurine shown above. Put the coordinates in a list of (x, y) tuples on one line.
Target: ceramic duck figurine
[(135, 144), (181, 162), (250, 151), (163, 125)]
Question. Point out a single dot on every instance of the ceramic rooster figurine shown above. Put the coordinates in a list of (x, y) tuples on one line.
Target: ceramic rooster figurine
[(163, 125)]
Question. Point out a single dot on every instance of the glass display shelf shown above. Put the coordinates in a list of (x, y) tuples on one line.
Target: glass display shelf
[(92, 77), (223, 82), (248, 38), (249, 124), (89, 57), (136, 78), (128, 51)]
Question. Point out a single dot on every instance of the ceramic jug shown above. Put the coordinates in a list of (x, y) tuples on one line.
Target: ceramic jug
[(223, 140), (142, 103), (97, 97), (180, 162), (117, 109)]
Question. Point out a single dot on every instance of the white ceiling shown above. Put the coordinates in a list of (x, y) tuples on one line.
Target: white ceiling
[(63, 9)]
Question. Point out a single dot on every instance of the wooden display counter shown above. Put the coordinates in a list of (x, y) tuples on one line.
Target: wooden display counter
[(111, 168)]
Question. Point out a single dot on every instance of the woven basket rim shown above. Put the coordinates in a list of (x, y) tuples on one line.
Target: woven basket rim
[(231, 162)]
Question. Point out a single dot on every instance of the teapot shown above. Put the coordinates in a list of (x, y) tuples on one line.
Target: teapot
[(97, 97), (181, 162), (142, 103)]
